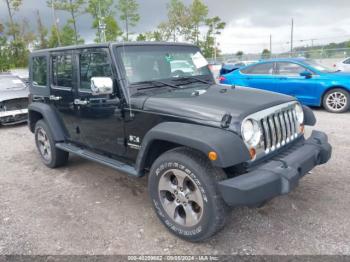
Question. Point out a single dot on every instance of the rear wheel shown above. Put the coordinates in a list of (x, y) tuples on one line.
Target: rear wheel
[(50, 155), (182, 186), (336, 101)]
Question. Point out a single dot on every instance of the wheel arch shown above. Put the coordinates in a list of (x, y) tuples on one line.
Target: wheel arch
[(331, 88), (229, 147), (38, 111)]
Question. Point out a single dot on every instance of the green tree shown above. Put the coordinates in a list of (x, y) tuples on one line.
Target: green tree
[(128, 10), (265, 54), (5, 63), (177, 19), (75, 8), (102, 10), (141, 38), (239, 55), (53, 39), (12, 7), (215, 27), (42, 33), (67, 36), (198, 13)]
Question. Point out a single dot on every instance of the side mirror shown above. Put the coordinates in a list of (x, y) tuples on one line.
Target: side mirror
[(101, 86), (306, 74)]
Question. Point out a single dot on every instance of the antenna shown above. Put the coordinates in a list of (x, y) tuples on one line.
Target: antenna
[(56, 21), (101, 24)]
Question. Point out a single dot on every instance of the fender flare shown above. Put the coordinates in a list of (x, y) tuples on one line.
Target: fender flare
[(51, 117), (309, 116), (229, 147)]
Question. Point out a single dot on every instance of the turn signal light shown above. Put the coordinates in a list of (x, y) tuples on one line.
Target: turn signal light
[(302, 129), (252, 153), (212, 156)]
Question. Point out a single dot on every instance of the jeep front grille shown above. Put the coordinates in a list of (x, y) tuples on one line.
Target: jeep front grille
[(279, 128)]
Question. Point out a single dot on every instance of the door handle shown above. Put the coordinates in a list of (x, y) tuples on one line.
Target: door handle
[(81, 102), (55, 98), (283, 78)]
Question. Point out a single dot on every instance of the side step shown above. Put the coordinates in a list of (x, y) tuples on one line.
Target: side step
[(84, 153)]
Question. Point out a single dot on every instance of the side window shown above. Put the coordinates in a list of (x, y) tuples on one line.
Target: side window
[(290, 69), (39, 71), (62, 71), (259, 69), (93, 64), (347, 61)]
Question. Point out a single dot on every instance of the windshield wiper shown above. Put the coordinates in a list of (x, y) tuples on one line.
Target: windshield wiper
[(154, 82), (194, 78)]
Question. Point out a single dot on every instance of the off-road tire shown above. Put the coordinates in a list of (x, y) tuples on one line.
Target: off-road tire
[(340, 92), (198, 168), (58, 157)]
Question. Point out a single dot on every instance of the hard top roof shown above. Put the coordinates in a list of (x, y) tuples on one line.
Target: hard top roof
[(106, 45)]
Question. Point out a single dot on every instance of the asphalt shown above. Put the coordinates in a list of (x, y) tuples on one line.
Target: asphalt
[(86, 208)]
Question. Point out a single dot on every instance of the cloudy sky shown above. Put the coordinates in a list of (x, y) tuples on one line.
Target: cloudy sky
[(249, 22)]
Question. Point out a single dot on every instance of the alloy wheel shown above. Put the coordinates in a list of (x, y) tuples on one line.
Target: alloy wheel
[(336, 101), (180, 197), (44, 144)]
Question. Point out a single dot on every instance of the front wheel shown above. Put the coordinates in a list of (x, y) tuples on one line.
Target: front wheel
[(183, 189), (50, 155), (336, 101)]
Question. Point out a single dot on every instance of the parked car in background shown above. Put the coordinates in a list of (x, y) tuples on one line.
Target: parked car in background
[(13, 100), (311, 83), (181, 66), (228, 67), (215, 68), (343, 65)]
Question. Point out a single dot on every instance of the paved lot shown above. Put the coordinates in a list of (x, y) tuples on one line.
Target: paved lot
[(86, 208)]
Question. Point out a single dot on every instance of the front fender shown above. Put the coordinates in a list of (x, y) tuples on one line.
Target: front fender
[(229, 147)]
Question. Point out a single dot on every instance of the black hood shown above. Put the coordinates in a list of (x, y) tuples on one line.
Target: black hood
[(211, 104)]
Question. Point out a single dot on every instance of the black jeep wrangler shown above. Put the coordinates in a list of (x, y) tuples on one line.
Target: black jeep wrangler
[(154, 109)]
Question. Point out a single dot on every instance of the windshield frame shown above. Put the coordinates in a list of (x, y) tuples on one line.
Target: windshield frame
[(119, 48)]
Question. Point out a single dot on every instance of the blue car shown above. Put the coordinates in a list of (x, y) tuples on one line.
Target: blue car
[(311, 83)]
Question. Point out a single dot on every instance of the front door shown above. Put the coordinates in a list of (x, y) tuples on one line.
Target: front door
[(101, 122), (290, 82)]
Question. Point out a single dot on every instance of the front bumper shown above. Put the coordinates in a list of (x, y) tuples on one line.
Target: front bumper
[(14, 116), (279, 175)]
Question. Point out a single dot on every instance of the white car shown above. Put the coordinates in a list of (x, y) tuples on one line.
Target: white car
[(181, 65), (343, 65)]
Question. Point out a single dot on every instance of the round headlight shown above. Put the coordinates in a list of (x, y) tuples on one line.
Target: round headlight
[(251, 132), (299, 113)]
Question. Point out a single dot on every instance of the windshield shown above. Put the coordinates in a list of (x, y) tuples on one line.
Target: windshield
[(9, 83), (319, 66), (159, 62)]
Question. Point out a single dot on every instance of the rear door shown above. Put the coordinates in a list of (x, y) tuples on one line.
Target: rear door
[(260, 76), (290, 82), (100, 117), (63, 81)]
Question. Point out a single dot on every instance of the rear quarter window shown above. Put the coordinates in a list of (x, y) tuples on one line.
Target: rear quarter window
[(39, 71)]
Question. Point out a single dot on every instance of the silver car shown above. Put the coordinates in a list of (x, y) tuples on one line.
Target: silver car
[(13, 100)]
